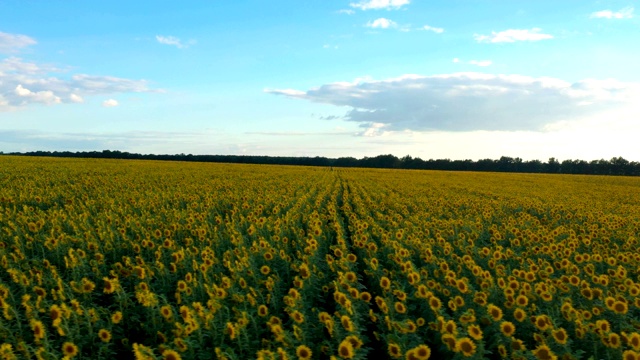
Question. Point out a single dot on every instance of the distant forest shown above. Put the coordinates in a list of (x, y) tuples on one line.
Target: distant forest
[(615, 166)]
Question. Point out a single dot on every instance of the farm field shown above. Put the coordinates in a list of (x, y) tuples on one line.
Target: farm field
[(103, 259)]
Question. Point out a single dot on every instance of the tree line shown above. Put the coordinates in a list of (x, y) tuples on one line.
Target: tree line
[(615, 166)]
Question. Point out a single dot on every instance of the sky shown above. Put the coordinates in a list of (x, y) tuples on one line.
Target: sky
[(435, 79)]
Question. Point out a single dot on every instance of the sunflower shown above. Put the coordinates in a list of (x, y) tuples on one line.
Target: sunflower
[(517, 345), (411, 326), (507, 328), (139, 272), (345, 349), (69, 349), (263, 310), (355, 341), (409, 355), (346, 322), (560, 336), (609, 301), (495, 312), (450, 327), (182, 286), (630, 355), (171, 355), (265, 270), (55, 312), (166, 312), (462, 286), (633, 340), (614, 340), (185, 312), (603, 326), (400, 295), (38, 330), (522, 300), (543, 352), (303, 352), (182, 346), (394, 350), (502, 350), (354, 293), (231, 330), (382, 305), (435, 303), (282, 354), (297, 316), (104, 335), (538, 338), (400, 308), (620, 307), (110, 285), (116, 317), (587, 293), (475, 332), (542, 322), (142, 352), (449, 340), (385, 283), (304, 271), (264, 355), (466, 346), (468, 317), (422, 292), (546, 296), (421, 352)]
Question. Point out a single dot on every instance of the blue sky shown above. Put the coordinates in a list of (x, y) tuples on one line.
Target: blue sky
[(459, 79)]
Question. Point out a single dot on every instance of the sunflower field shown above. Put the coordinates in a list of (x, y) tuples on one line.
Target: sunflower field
[(104, 259)]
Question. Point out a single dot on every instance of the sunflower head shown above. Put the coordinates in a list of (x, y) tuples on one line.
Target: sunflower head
[(507, 328), (69, 349), (104, 335), (303, 352), (466, 346)]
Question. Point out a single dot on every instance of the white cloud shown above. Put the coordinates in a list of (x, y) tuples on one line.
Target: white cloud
[(174, 41), (346, 11), (25, 83), (481, 62), (17, 65), (381, 23), (513, 35), (469, 101), (75, 98), (92, 84), (42, 97), (373, 130), (10, 43), (474, 62), (626, 13), (379, 4), (436, 30), (20, 91), (110, 103)]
